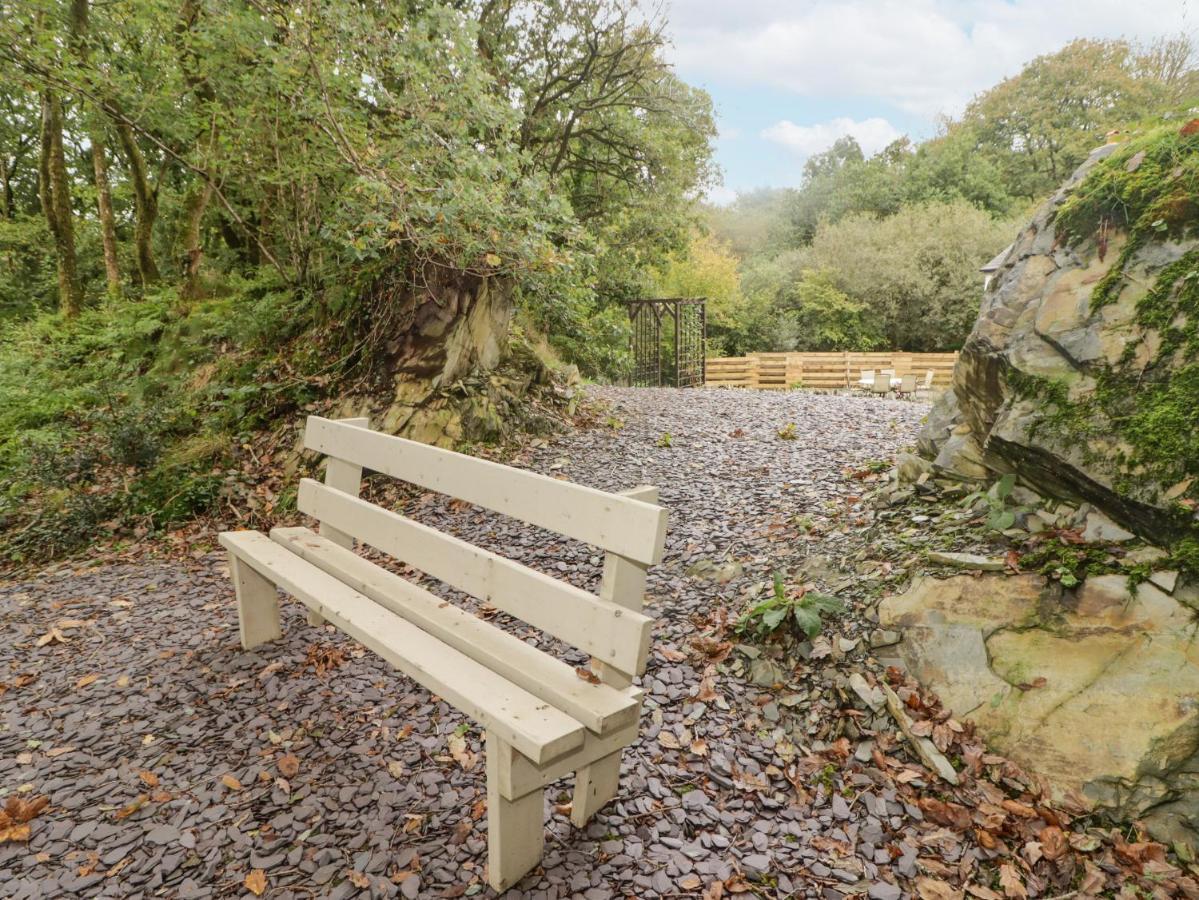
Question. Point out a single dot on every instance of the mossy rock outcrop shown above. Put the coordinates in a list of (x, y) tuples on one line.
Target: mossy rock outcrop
[(1082, 372)]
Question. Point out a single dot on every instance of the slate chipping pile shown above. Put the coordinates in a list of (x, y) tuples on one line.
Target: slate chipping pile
[(176, 764)]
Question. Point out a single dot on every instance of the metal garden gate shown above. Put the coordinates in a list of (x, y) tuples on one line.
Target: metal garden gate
[(668, 342)]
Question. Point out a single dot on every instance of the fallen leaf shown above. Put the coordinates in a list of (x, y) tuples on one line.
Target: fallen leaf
[(668, 740), (1012, 884), (230, 782), (130, 808), (699, 747), (255, 882), (289, 765), (935, 889), (396, 769), (358, 879), (123, 681), (1053, 842), (690, 882), (1023, 810), (150, 779), (587, 675), (413, 822), (58, 751), (53, 636), (86, 680), (121, 864), (461, 753)]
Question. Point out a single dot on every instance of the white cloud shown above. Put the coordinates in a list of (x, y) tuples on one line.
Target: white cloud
[(924, 56), (872, 135)]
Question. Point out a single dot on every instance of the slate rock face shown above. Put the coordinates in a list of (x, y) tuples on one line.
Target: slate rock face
[(1040, 326), (1096, 690)]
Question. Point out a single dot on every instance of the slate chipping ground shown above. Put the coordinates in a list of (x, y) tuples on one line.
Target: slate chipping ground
[(187, 763)]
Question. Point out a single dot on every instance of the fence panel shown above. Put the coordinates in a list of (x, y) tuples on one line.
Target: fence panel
[(824, 371)]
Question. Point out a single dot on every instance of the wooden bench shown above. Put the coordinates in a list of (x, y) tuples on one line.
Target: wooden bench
[(542, 719)]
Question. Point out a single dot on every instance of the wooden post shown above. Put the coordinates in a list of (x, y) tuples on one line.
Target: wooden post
[(515, 828), (624, 584), (257, 605), (345, 477)]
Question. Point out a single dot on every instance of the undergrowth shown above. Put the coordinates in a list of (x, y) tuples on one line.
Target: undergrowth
[(128, 418)]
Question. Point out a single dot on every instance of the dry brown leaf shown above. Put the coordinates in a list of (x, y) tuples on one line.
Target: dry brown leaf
[(148, 777), (935, 889), (14, 833), (395, 768), (58, 751), (690, 882), (982, 893), (255, 882), (462, 755), (86, 680), (53, 636), (1023, 810), (1053, 842), (230, 782), (130, 808), (668, 740), (289, 765), (413, 822), (1012, 883), (123, 681), (699, 747), (587, 675), (116, 869), (357, 879)]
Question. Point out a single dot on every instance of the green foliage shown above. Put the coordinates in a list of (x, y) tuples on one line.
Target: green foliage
[(788, 432), (826, 318), (127, 417), (916, 272), (665, 440), (999, 516), (788, 613)]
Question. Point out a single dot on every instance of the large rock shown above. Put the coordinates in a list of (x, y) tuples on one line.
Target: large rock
[(1096, 690), (1042, 343)]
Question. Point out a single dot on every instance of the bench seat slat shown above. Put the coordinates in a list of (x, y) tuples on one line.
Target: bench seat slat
[(622, 525), (598, 706), (617, 636), (532, 726)]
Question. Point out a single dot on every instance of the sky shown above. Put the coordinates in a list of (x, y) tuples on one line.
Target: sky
[(788, 77)]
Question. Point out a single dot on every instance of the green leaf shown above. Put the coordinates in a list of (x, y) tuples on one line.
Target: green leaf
[(773, 617), (808, 621), (1003, 487)]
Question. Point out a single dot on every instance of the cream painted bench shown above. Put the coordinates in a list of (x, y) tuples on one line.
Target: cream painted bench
[(542, 719)]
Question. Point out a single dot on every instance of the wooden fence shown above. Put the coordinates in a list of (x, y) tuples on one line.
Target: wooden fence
[(822, 371)]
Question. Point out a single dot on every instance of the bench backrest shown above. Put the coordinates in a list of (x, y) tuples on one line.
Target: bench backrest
[(610, 627)]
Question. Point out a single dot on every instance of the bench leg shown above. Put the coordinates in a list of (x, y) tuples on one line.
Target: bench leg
[(515, 828), (257, 605), (595, 785)]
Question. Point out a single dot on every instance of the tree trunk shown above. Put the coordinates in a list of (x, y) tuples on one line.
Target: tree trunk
[(193, 245), (108, 231), (145, 206), (55, 194), (108, 228)]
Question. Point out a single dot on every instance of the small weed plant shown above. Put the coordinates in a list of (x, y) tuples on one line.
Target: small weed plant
[(789, 612)]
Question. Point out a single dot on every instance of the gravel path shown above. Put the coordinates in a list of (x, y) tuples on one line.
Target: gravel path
[(175, 764)]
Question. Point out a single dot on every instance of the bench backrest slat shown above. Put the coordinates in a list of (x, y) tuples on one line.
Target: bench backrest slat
[(622, 525), (611, 633)]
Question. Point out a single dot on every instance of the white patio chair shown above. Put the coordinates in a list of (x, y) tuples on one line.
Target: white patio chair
[(866, 381), (881, 384), (907, 386)]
